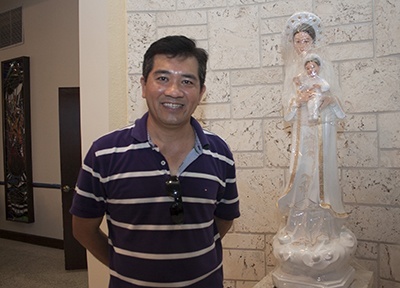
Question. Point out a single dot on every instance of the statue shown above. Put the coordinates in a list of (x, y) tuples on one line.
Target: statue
[(310, 82), (313, 248)]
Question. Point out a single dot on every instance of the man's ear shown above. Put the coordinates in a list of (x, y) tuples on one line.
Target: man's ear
[(202, 91), (143, 85)]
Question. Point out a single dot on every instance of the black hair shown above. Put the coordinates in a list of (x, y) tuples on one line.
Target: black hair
[(304, 27), (175, 46)]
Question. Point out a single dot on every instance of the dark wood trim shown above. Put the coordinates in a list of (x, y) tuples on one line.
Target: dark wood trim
[(32, 239)]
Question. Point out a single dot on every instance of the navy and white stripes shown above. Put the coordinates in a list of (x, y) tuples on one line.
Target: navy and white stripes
[(123, 177)]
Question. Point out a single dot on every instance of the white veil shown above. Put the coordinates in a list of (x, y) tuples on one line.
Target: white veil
[(294, 62)]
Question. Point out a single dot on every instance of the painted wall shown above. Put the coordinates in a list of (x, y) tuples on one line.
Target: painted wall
[(51, 42), (103, 78)]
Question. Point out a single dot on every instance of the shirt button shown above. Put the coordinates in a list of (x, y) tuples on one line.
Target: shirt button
[(163, 163)]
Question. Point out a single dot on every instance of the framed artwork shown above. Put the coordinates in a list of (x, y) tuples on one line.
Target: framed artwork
[(17, 140)]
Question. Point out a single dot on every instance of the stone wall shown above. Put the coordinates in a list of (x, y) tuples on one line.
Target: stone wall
[(243, 105)]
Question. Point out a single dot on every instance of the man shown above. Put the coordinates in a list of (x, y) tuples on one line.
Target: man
[(167, 187)]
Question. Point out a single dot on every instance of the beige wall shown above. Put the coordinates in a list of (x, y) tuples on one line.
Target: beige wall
[(103, 78), (51, 42)]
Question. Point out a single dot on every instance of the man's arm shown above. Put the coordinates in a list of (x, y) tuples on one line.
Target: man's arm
[(87, 231), (223, 226)]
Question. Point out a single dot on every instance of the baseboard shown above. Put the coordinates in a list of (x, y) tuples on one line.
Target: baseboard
[(32, 239)]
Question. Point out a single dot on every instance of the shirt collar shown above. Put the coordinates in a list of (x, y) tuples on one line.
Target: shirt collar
[(139, 132)]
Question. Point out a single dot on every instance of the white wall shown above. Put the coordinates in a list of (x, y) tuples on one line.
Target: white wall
[(51, 42), (102, 51)]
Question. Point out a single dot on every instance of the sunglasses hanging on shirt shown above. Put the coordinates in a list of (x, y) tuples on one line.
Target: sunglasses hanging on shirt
[(174, 190)]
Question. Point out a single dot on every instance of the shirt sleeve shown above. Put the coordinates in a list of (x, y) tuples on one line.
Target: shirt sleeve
[(89, 199), (228, 205)]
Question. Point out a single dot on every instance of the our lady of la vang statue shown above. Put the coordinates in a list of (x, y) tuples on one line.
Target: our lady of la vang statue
[(313, 247)]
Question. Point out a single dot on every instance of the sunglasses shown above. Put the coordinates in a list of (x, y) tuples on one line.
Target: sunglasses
[(174, 190)]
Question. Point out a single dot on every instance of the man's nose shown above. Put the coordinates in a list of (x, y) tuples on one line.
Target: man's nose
[(173, 89)]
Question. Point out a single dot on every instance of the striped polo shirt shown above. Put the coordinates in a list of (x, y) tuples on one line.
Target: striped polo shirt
[(123, 177)]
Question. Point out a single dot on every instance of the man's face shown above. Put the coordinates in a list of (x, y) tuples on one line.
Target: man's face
[(312, 68), (302, 42), (172, 91)]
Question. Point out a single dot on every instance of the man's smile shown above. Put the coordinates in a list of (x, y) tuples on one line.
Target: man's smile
[(172, 105)]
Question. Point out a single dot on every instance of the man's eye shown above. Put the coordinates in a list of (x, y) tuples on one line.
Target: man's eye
[(187, 82), (162, 78)]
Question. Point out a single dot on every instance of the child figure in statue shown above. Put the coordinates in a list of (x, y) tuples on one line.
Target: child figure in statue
[(310, 82), (313, 247)]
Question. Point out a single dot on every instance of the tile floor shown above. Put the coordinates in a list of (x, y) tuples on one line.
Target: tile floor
[(25, 265)]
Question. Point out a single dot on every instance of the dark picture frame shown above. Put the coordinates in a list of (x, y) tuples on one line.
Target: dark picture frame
[(17, 139)]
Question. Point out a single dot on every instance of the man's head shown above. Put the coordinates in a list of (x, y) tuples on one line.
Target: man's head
[(176, 46)]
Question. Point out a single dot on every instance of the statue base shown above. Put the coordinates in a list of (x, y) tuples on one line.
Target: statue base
[(342, 279), (362, 279)]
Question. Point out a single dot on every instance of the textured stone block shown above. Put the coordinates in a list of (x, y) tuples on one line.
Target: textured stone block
[(388, 27), (272, 25), (193, 32), (217, 87), (277, 143), (254, 102), (259, 190), (244, 264), (284, 8), (136, 105), (195, 4), (244, 241), (245, 284), (212, 111), (150, 5), (371, 85), (229, 284), (257, 76), (389, 284), (141, 30), (242, 135), (249, 159), (390, 158), (375, 223), (358, 149), (367, 250), (349, 33), (182, 18), (376, 186), (233, 37), (343, 11), (243, 2), (350, 51), (271, 50), (389, 130), (390, 262), (357, 122)]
